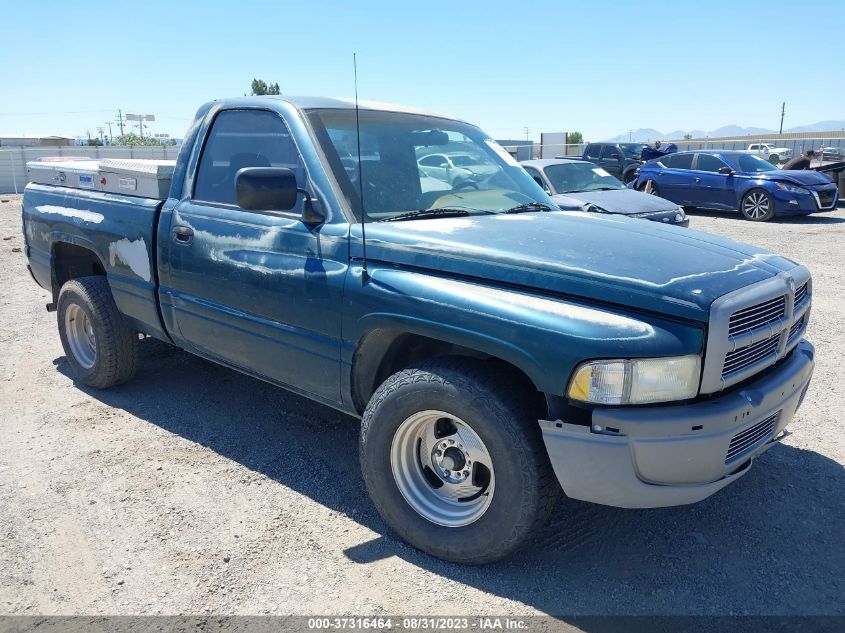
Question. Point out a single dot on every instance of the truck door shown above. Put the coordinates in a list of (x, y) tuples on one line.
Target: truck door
[(611, 160), (257, 291)]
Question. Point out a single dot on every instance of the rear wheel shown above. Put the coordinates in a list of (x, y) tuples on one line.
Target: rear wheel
[(757, 205), (100, 347), (454, 460), (774, 159)]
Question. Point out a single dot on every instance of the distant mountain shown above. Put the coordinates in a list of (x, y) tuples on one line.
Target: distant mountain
[(649, 135), (821, 126)]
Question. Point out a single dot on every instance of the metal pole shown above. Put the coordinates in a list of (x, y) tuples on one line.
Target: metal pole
[(782, 112), (14, 178)]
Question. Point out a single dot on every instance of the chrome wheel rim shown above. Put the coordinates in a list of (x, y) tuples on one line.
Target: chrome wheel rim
[(80, 336), (756, 205), (442, 468)]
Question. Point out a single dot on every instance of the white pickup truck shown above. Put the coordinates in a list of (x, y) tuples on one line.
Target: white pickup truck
[(775, 155)]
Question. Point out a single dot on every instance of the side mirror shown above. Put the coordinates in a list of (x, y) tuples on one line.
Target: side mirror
[(265, 189), (274, 189), (726, 171)]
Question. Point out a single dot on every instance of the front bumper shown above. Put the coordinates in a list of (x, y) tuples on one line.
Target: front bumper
[(787, 203), (648, 457)]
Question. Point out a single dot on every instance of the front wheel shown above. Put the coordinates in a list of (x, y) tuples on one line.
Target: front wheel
[(454, 460), (757, 206), (774, 159)]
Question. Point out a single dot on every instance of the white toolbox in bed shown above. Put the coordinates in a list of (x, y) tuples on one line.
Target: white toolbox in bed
[(129, 176)]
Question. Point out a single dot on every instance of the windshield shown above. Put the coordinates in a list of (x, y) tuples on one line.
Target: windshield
[(632, 150), (402, 167), (572, 177), (749, 162)]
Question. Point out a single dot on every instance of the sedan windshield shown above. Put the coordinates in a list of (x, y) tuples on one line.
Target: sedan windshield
[(572, 177), (632, 150), (391, 180), (749, 162)]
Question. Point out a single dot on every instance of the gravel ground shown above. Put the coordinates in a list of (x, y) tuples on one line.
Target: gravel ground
[(198, 490)]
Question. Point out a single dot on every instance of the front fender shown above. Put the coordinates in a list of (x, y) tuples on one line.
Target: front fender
[(545, 336)]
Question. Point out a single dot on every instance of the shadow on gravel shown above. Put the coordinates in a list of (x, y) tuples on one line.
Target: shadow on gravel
[(820, 218), (769, 544)]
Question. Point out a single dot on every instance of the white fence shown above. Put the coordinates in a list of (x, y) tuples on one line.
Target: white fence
[(13, 177)]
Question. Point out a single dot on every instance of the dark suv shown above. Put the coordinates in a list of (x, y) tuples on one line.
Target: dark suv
[(619, 159)]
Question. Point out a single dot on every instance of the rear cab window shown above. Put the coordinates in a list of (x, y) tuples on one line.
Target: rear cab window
[(593, 151)]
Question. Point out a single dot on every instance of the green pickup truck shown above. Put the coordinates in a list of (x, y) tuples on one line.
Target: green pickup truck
[(499, 352)]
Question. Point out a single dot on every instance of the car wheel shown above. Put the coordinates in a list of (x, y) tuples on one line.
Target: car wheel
[(99, 345), (454, 460), (758, 206), (774, 159)]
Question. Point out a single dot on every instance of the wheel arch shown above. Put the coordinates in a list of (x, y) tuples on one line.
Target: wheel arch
[(69, 260), (383, 351)]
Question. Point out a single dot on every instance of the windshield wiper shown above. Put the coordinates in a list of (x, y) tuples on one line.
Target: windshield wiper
[(440, 212), (529, 206)]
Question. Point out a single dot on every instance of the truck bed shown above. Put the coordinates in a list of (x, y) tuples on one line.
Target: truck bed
[(119, 229)]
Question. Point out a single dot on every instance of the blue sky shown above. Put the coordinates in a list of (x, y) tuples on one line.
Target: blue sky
[(598, 67)]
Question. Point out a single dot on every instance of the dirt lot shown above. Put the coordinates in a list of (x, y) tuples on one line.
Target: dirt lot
[(195, 489)]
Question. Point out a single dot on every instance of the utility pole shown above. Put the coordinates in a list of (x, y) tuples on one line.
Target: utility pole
[(120, 121), (111, 138), (782, 112), (527, 131), (101, 129)]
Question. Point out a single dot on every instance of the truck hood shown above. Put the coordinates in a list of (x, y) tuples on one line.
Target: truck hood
[(623, 201), (796, 176), (603, 258)]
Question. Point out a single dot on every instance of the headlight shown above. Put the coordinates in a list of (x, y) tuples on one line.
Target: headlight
[(636, 381), (785, 186)]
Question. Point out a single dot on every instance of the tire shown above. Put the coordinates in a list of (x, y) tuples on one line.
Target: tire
[(101, 349), (757, 205), (774, 159), (501, 507)]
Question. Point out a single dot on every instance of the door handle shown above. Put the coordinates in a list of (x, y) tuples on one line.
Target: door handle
[(697, 179), (183, 234)]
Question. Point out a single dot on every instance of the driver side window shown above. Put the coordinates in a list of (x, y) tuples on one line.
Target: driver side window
[(239, 139)]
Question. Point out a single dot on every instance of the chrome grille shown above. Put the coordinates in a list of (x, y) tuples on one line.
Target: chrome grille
[(800, 293), (796, 327), (753, 327), (751, 437), (743, 357), (756, 316)]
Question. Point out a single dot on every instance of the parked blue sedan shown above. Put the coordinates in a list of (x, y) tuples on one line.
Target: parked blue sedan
[(737, 180)]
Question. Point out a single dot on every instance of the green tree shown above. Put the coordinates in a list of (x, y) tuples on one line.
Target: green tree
[(134, 139), (261, 87), (687, 136), (94, 142), (575, 138)]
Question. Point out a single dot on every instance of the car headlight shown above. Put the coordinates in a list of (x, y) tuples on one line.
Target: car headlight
[(785, 186), (637, 380)]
